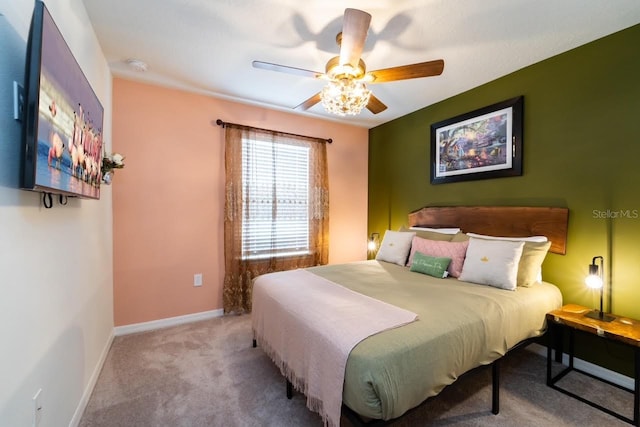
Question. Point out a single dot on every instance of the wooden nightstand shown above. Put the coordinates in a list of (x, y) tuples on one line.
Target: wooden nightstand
[(572, 318)]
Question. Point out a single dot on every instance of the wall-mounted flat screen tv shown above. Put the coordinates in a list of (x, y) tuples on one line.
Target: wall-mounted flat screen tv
[(63, 118)]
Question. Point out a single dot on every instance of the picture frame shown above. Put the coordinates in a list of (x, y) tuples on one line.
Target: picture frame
[(481, 144)]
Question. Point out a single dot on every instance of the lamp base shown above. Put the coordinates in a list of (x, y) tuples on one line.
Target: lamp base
[(599, 315)]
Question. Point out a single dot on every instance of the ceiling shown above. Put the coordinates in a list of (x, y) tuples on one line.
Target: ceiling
[(207, 46)]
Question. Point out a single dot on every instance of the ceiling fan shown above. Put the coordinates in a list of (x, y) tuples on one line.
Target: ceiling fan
[(347, 76)]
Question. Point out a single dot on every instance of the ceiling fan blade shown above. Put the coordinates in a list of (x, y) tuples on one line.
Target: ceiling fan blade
[(286, 69), (375, 105), (354, 33), (404, 72), (308, 103)]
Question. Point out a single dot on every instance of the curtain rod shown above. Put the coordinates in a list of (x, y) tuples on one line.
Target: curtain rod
[(223, 124)]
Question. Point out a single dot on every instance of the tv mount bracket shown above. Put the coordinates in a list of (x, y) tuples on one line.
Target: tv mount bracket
[(18, 101)]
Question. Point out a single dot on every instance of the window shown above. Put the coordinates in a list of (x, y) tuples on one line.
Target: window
[(275, 181), (276, 211)]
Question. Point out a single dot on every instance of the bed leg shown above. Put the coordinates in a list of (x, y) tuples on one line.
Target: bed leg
[(255, 344), (495, 401), (289, 390)]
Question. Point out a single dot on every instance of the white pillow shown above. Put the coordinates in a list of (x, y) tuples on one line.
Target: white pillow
[(395, 247), (533, 239), (492, 262), (511, 239), (437, 230)]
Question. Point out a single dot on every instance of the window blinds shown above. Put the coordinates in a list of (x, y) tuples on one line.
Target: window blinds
[(275, 199)]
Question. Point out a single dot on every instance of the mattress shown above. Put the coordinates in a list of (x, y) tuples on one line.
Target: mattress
[(461, 326)]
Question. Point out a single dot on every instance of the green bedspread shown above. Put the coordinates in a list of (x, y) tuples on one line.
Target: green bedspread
[(461, 326)]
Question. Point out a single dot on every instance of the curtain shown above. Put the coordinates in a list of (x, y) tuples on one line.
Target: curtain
[(241, 205)]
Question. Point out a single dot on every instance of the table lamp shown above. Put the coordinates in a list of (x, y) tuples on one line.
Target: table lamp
[(372, 246), (595, 280)]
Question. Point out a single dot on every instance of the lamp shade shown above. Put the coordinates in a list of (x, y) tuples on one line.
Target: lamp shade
[(595, 281)]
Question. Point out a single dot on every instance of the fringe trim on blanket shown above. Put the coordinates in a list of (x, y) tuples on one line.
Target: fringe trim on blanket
[(299, 383)]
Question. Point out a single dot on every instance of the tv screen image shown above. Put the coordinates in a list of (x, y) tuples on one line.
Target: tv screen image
[(64, 118)]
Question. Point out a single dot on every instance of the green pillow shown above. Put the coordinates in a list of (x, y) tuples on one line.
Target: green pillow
[(433, 266)]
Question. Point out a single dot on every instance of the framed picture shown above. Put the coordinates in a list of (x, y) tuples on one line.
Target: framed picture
[(485, 143)]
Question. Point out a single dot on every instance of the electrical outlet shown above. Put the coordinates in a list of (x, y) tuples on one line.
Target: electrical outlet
[(197, 279), (37, 408)]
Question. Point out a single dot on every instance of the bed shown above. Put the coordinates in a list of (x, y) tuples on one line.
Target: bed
[(460, 325)]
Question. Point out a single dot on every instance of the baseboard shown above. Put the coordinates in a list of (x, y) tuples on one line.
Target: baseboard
[(84, 400), (165, 323), (130, 329), (598, 371)]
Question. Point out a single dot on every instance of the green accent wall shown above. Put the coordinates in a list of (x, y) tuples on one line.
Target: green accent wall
[(581, 150)]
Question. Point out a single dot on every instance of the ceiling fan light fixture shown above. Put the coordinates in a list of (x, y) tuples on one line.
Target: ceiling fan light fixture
[(345, 97), (336, 71), (347, 76)]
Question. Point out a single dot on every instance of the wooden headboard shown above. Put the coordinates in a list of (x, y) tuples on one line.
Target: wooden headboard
[(508, 221)]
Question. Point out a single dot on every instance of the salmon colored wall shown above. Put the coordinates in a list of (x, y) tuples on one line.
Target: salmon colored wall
[(168, 201)]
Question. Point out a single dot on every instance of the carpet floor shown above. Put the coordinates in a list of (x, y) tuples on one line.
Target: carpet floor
[(207, 374)]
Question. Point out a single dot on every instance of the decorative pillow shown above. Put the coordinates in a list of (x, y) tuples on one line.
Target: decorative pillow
[(530, 266), (460, 237), (433, 266), (533, 254), (492, 262), (431, 233), (437, 230), (512, 239), (438, 248), (395, 247)]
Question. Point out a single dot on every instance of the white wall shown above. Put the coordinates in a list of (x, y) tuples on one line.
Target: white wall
[(56, 279)]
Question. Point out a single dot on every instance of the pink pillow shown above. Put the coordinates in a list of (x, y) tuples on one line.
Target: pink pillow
[(454, 250)]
